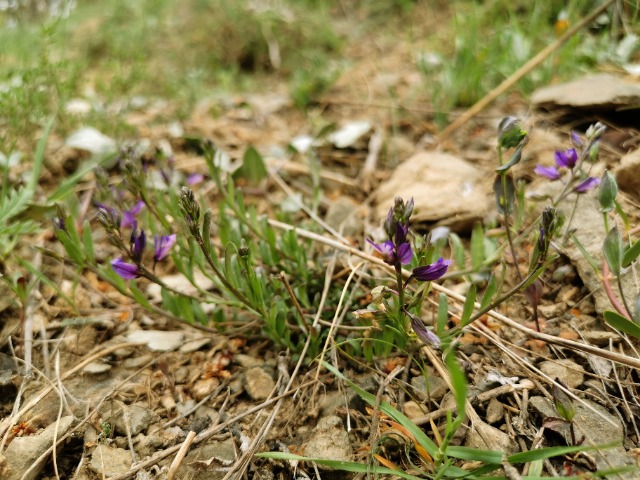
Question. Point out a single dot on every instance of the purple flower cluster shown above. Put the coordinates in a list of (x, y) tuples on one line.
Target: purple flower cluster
[(397, 250), (138, 241), (567, 160), (162, 246)]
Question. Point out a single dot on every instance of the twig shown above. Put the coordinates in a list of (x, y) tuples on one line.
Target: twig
[(173, 469), (521, 72)]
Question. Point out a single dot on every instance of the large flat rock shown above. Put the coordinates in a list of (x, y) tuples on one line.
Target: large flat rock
[(446, 189), (602, 91)]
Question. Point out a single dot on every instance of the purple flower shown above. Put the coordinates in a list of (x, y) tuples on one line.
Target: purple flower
[(128, 271), (575, 139), (431, 272), (139, 241), (549, 172), (390, 254), (586, 185), (423, 333), (129, 216), (566, 159), (162, 246), (194, 179), (404, 253)]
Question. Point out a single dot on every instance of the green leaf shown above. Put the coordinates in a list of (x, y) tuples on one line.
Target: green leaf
[(253, 167), (614, 251), (587, 256), (631, 254), (469, 304), (87, 239), (505, 193), (139, 296), (489, 292), (477, 247), (622, 323), (476, 455), (206, 231), (549, 452), (443, 314), (341, 465), (388, 410), (458, 250), (515, 158), (458, 381), (607, 192)]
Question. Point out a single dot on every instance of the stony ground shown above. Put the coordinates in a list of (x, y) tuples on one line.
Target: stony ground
[(118, 393)]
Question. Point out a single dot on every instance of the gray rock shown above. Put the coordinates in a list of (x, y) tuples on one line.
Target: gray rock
[(329, 439), (138, 418), (22, 452), (597, 429), (564, 369), (495, 411), (343, 216), (137, 362), (259, 384), (430, 388), (247, 361), (601, 91), (628, 174), (96, 368), (587, 220), (483, 436), (208, 462), (108, 461), (445, 189)]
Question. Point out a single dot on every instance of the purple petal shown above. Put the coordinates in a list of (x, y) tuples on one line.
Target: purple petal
[(586, 185), (433, 271), (423, 333), (128, 271), (575, 139), (549, 172), (139, 242), (194, 179), (566, 159), (163, 245), (129, 216), (404, 253)]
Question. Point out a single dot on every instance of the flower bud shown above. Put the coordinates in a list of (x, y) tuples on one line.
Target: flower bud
[(608, 192), (510, 132)]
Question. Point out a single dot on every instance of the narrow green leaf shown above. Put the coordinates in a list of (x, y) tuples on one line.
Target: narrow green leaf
[(631, 254), (139, 296), (505, 193), (515, 158), (340, 465), (489, 292), (87, 239), (476, 455), (614, 251), (458, 381), (206, 231), (387, 409), (443, 314), (477, 247), (458, 250), (622, 323), (253, 166), (549, 452), (469, 304), (587, 256)]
